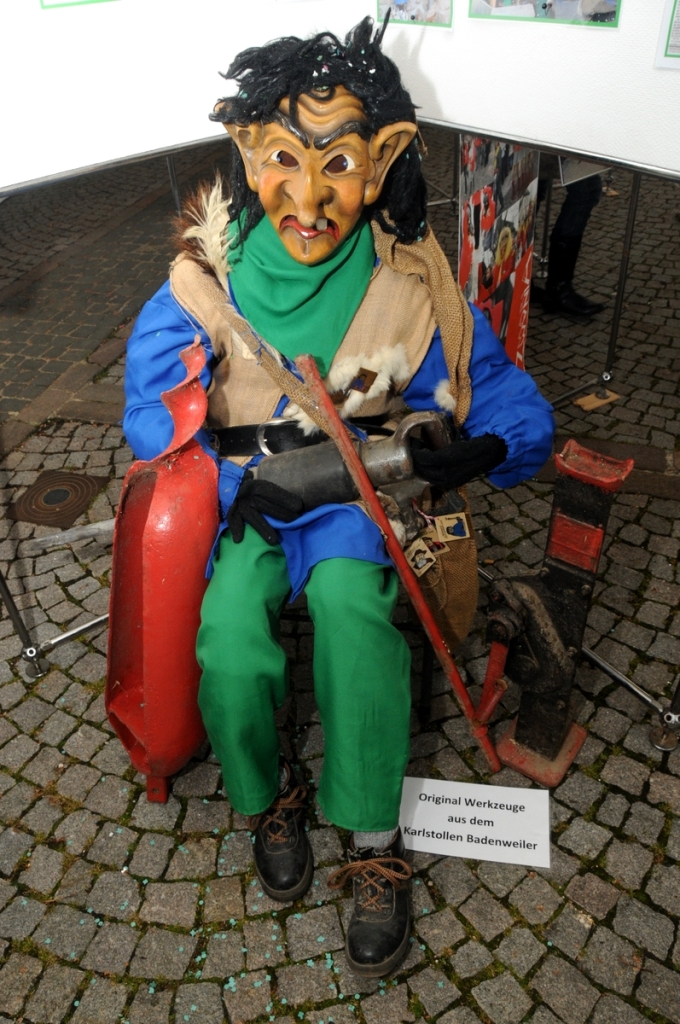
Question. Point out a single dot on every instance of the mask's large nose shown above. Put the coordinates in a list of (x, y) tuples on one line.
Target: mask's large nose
[(309, 194)]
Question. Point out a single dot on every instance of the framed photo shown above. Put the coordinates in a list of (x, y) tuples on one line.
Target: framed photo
[(571, 12), (430, 13)]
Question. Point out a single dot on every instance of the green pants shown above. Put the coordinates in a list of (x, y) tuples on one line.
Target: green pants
[(361, 681)]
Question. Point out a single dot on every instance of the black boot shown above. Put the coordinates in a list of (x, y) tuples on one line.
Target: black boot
[(561, 298), (283, 857), (380, 926)]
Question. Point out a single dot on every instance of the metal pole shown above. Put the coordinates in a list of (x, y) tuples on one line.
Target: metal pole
[(173, 184), (14, 614), (543, 258), (49, 645), (623, 275)]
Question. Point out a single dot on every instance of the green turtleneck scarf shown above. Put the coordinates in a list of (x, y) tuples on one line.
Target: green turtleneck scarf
[(297, 308)]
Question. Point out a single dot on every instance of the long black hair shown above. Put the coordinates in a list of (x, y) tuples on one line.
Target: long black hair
[(291, 67)]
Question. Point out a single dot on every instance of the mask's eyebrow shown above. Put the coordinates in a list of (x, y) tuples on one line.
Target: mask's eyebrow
[(359, 128), (291, 127)]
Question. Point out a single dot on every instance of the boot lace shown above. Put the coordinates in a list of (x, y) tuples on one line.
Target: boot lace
[(369, 874), (274, 822)]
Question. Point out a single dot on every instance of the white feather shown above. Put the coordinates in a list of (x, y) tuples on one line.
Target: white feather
[(210, 231)]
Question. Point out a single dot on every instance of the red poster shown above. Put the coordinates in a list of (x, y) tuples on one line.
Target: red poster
[(498, 186)]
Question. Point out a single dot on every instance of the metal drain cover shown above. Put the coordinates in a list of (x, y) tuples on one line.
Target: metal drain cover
[(56, 498)]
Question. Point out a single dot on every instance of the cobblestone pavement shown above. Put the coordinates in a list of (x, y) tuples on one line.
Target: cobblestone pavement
[(114, 909)]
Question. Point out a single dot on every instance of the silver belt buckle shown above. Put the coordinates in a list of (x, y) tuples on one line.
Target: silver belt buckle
[(260, 432)]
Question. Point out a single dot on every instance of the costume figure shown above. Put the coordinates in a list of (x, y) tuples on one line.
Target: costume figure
[(323, 247)]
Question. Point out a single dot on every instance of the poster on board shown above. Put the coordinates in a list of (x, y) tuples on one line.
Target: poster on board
[(668, 50), (573, 12), (498, 189), (430, 13)]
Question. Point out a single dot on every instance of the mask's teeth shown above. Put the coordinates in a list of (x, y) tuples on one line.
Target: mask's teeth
[(321, 224)]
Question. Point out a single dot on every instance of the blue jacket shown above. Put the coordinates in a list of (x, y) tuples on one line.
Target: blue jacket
[(505, 402)]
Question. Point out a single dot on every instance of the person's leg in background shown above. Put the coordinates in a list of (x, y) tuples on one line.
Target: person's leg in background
[(565, 244), (362, 685)]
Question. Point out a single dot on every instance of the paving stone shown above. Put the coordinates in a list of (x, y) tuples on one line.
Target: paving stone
[(29, 715), (664, 887), (610, 725), (207, 816), (326, 845), (162, 954), (579, 791), (76, 699), (454, 880), (44, 870), (440, 931), (451, 766), (585, 838), (536, 900), (645, 927), (225, 956), (44, 767), (195, 858), (612, 1010), (43, 816), (85, 742), (665, 789), (77, 830), (111, 949), (6, 893), (625, 773), (569, 932), (247, 998), (151, 855), (315, 932), (16, 801), (20, 918), (102, 1003), (110, 797), (611, 961), (91, 668), (112, 758), (52, 686), (565, 990), (76, 884), (265, 943), (112, 845), (628, 863), (199, 1003), (520, 951), (223, 900), (170, 903), (486, 915), (387, 1009), (236, 854), (306, 983), (12, 694), (434, 990), (53, 998), (594, 895), (150, 1006), (155, 816), (502, 999), (562, 866), (644, 823), (421, 899), (500, 878), (337, 1013), (613, 809), (202, 780), (116, 895), (77, 781), (16, 979), (660, 991), (13, 846), (17, 752), (459, 1015), (66, 932), (471, 959), (57, 728)]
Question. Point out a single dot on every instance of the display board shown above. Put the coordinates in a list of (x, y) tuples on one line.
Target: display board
[(86, 83)]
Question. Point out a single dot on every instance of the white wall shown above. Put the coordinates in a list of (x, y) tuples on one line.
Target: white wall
[(88, 84)]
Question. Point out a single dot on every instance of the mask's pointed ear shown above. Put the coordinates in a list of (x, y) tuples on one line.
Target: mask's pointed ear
[(248, 140), (384, 148)]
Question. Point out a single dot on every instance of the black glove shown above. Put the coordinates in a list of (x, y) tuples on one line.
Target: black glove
[(459, 461), (257, 498)]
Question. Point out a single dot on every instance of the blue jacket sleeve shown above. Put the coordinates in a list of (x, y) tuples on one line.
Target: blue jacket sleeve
[(505, 402), (162, 330)]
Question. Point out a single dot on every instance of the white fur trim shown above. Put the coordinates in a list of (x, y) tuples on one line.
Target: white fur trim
[(443, 397), (210, 231), (391, 365)]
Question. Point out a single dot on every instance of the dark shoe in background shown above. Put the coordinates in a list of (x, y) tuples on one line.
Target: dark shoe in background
[(283, 857), (561, 298), (380, 926)]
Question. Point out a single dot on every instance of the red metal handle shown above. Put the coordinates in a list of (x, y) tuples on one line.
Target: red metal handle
[(187, 402)]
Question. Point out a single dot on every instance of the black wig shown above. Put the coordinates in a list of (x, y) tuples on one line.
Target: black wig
[(291, 67)]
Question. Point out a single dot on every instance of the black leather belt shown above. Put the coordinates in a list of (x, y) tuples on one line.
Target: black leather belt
[(269, 438)]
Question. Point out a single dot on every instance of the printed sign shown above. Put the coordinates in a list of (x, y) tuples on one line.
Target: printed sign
[(498, 190), (463, 819), (668, 50), (573, 12), (430, 13)]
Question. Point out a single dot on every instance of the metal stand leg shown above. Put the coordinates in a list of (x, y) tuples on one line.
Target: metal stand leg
[(425, 704), (543, 258), (173, 184), (30, 652)]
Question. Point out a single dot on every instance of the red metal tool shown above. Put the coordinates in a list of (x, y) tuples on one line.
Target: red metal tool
[(166, 524), (338, 432)]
